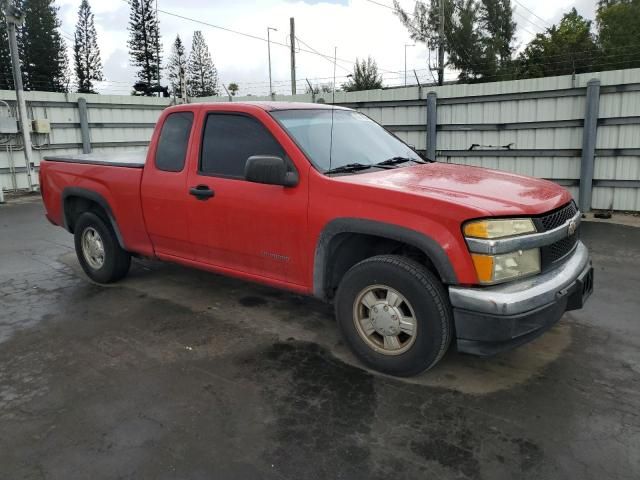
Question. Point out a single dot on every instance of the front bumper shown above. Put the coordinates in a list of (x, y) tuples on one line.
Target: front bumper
[(489, 320)]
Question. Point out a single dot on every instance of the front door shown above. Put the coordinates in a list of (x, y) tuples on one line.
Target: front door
[(247, 227)]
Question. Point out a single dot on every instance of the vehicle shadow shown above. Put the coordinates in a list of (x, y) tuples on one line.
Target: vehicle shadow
[(288, 317)]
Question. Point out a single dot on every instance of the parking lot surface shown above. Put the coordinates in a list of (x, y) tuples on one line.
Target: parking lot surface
[(177, 373)]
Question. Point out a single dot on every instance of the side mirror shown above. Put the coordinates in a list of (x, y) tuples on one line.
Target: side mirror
[(269, 170)]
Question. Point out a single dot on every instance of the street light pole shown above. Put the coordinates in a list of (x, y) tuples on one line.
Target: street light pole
[(269, 53), (405, 61)]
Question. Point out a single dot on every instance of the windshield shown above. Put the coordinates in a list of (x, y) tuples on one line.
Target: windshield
[(356, 138)]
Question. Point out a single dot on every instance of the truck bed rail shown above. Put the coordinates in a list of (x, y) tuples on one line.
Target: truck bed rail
[(134, 159)]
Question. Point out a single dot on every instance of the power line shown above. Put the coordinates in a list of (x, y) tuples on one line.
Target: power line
[(313, 51), (397, 76), (310, 50), (244, 34), (532, 13), (380, 4), (330, 61), (256, 37), (508, 75), (527, 20)]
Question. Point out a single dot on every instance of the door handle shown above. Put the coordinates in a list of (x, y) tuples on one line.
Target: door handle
[(202, 192)]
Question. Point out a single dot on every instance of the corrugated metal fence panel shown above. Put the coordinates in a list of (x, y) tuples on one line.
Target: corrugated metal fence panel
[(502, 117), (621, 167), (526, 139), (567, 103), (113, 120), (541, 167)]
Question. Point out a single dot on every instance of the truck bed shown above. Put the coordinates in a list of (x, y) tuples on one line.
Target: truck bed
[(111, 180), (133, 159)]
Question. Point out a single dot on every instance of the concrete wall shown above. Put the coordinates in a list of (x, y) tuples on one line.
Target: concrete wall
[(533, 127)]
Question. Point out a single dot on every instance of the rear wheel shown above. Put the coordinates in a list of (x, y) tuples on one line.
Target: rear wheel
[(395, 315), (98, 250)]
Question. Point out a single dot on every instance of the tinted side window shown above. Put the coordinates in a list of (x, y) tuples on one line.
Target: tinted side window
[(230, 139), (173, 143)]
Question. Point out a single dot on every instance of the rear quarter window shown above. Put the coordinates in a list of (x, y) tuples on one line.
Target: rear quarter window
[(174, 141)]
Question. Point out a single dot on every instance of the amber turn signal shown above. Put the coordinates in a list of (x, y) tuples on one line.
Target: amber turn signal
[(484, 267)]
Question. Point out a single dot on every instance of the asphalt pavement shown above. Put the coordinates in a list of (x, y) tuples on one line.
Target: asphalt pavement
[(181, 374)]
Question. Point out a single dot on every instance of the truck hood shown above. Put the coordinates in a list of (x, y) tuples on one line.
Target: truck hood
[(492, 191)]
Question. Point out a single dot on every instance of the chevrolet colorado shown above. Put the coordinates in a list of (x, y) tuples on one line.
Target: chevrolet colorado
[(321, 200)]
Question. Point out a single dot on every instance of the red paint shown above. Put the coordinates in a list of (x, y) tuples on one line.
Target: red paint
[(270, 233)]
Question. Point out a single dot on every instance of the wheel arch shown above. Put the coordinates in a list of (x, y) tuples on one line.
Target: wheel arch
[(333, 249), (76, 200)]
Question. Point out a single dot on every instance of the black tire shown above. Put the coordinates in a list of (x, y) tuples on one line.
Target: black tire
[(428, 298), (116, 260)]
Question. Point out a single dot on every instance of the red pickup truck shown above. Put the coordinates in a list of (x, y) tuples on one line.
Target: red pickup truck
[(323, 201)]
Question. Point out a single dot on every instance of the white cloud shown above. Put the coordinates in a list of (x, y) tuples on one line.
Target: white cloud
[(357, 27)]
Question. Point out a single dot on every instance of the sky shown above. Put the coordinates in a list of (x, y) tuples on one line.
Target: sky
[(358, 28)]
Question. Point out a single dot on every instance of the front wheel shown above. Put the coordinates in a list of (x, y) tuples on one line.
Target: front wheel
[(395, 315), (98, 250)]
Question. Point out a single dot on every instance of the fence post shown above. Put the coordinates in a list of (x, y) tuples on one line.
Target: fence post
[(589, 136), (432, 119), (84, 125)]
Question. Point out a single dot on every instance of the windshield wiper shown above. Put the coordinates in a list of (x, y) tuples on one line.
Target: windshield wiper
[(349, 167), (398, 160), (386, 164)]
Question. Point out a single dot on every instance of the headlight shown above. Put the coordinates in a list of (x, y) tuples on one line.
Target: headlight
[(499, 228), (507, 266)]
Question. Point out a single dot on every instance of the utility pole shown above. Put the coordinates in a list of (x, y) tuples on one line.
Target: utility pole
[(269, 54), (441, 45), (158, 47), (183, 85), (292, 28), (15, 17)]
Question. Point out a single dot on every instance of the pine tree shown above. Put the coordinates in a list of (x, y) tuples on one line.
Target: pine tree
[(177, 67), (202, 80), (44, 52), (144, 41), (499, 29), (86, 54)]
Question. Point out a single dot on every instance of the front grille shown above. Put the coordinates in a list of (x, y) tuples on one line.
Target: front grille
[(554, 219), (560, 249)]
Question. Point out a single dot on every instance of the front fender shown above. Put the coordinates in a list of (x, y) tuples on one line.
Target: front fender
[(431, 248)]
